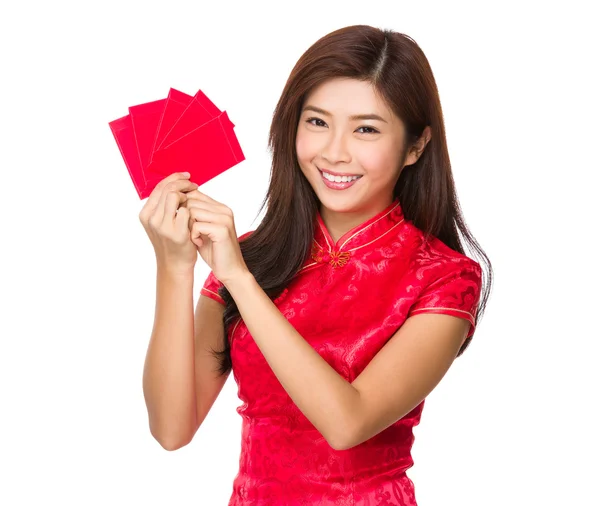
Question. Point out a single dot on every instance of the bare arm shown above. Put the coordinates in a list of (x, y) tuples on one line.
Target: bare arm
[(180, 380), (209, 335), (168, 380)]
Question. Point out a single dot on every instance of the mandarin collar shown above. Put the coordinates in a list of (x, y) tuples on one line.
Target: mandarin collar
[(361, 235)]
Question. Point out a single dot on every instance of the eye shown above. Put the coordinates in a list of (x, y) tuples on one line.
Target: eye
[(373, 131), (310, 120)]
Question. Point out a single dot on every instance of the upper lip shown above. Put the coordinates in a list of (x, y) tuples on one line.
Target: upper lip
[(333, 173)]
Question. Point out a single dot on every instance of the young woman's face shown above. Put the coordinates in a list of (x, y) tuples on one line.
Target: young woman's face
[(331, 140)]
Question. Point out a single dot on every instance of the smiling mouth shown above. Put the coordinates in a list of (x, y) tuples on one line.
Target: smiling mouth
[(355, 177), (339, 185)]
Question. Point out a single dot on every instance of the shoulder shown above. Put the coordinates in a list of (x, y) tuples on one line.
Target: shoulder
[(444, 281), (433, 259)]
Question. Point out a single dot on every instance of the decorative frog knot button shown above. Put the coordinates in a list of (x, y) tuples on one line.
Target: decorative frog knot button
[(339, 258), (334, 258)]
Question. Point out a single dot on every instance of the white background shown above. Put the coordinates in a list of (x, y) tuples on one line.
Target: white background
[(514, 421)]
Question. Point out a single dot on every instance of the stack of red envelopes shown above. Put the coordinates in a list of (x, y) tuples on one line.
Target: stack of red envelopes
[(179, 133)]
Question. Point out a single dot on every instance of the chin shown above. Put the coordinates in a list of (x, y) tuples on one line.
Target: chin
[(339, 204)]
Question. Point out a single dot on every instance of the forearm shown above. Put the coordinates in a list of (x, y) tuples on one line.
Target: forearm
[(168, 382), (324, 396)]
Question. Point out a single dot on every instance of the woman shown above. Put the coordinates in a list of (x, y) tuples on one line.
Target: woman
[(347, 305)]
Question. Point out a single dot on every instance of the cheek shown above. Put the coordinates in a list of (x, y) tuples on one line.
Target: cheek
[(379, 162), (303, 148)]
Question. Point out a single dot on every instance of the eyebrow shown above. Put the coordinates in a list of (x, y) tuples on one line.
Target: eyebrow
[(352, 118)]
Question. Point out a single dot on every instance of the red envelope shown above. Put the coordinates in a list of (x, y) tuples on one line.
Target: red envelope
[(177, 102), (175, 134), (122, 130), (199, 111), (145, 118), (205, 152)]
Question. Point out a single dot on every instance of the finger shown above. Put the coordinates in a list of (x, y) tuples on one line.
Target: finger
[(193, 202), (195, 190), (198, 199), (208, 215), (201, 204), (172, 202), (194, 194), (181, 182), (174, 186), (190, 195), (204, 197), (169, 179), (212, 230)]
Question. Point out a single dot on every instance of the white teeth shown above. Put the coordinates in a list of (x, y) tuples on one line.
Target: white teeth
[(339, 179)]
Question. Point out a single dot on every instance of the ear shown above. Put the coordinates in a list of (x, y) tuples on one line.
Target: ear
[(417, 149)]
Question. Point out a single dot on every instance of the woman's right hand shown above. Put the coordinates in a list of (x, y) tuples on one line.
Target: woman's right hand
[(167, 224)]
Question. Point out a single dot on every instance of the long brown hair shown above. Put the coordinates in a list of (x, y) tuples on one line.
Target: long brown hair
[(398, 69)]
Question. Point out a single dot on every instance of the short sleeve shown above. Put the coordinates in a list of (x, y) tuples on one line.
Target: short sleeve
[(455, 293), (211, 288)]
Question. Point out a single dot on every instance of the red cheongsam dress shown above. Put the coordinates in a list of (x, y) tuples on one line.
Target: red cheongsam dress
[(347, 301)]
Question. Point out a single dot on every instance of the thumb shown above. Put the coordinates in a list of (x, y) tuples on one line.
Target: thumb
[(197, 241)]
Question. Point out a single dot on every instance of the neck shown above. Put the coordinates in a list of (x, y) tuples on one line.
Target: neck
[(340, 222)]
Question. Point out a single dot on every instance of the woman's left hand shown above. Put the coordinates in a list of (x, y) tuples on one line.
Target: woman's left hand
[(212, 230)]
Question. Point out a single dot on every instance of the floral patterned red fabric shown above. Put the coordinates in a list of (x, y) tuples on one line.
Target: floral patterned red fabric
[(347, 301)]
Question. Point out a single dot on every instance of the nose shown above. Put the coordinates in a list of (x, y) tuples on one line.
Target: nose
[(335, 149)]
